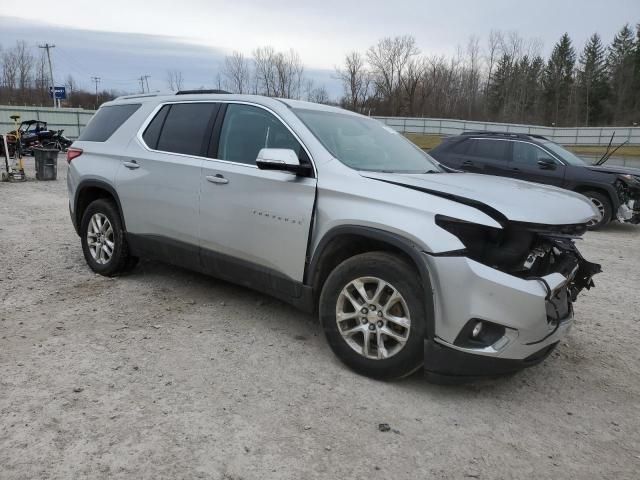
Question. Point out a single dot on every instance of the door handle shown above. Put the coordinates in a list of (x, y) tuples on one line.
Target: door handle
[(132, 165), (217, 178), (467, 163)]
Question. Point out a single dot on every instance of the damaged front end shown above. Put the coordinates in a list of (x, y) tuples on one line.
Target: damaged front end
[(628, 190), (530, 252)]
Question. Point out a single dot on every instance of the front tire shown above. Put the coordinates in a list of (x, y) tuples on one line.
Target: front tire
[(373, 315), (603, 204), (104, 243)]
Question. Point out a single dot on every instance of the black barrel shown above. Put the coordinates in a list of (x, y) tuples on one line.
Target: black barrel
[(46, 163)]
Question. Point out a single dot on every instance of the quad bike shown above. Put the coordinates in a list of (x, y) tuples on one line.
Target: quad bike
[(35, 134)]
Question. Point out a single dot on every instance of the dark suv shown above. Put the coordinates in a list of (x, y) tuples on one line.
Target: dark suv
[(614, 190)]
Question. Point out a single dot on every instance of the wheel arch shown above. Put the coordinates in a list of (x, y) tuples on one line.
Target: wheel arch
[(611, 195), (345, 241), (87, 192)]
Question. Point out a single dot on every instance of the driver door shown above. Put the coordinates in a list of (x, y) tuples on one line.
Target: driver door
[(532, 163)]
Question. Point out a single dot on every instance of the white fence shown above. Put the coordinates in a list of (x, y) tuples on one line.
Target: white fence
[(72, 120), (563, 136)]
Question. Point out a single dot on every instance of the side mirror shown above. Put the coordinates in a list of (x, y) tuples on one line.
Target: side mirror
[(547, 164), (283, 159)]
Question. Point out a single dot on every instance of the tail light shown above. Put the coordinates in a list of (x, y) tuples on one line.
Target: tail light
[(73, 153)]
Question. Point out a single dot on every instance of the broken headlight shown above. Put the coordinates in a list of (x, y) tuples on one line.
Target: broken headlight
[(504, 249)]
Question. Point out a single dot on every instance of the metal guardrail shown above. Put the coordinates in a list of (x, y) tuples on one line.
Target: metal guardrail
[(565, 136), (72, 120)]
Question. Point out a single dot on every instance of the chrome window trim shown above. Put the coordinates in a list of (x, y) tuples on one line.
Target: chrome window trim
[(157, 108)]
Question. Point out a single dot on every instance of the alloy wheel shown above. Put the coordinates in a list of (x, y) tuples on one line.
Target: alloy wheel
[(600, 206), (100, 238), (373, 318)]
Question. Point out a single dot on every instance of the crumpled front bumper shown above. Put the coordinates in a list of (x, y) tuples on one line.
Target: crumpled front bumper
[(536, 314), (629, 212)]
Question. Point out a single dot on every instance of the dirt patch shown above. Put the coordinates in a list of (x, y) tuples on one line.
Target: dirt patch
[(169, 374)]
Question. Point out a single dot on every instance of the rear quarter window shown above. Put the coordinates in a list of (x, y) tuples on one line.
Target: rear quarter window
[(488, 148), (106, 121)]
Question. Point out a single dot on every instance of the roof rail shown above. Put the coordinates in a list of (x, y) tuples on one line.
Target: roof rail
[(195, 92), (140, 95), (504, 134)]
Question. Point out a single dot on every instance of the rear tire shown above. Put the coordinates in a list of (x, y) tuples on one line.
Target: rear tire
[(398, 310), (104, 242), (603, 204)]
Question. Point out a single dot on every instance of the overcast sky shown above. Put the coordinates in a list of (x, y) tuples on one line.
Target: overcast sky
[(103, 38)]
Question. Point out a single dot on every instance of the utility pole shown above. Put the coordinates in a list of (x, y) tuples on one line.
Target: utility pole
[(96, 80), (144, 79), (48, 48)]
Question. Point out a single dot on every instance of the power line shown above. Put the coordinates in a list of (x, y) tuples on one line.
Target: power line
[(48, 48)]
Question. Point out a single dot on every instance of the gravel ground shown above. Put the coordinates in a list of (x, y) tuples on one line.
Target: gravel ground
[(169, 374)]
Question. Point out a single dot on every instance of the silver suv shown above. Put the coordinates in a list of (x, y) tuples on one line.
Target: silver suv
[(407, 263)]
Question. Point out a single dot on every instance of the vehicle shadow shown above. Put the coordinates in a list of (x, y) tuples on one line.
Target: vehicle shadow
[(622, 228), (204, 289)]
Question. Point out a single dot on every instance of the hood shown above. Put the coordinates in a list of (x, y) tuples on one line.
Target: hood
[(502, 198), (616, 169)]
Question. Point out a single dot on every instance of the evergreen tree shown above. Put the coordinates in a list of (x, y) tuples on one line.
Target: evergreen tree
[(498, 87), (558, 79), (592, 81), (620, 66), (636, 77)]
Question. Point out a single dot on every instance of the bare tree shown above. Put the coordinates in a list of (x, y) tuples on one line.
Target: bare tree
[(494, 50), (24, 60), (356, 80), (289, 74), (278, 74), (388, 59), (472, 73), (236, 73), (315, 94), (265, 71), (174, 80)]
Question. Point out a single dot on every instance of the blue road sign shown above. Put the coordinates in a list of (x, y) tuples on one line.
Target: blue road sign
[(60, 92)]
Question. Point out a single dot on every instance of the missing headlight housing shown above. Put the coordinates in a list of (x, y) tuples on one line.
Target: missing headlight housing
[(505, 249)]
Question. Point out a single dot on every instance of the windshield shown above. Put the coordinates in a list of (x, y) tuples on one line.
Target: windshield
[(366, 144), (564, 154)]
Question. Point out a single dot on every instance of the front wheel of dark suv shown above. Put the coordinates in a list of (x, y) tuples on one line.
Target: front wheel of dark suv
[(373, 315), (603, 204), (103, 239)]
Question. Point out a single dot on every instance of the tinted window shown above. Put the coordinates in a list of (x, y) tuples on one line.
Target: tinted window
[(528, 153), (247, 129), (152, 132), (460, 147), (106, 121), (186, 128), (489, 149)]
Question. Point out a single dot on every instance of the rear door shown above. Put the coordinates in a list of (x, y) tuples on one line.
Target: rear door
[(534, 164), (254, 224), (158, 181), (487, 155)]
